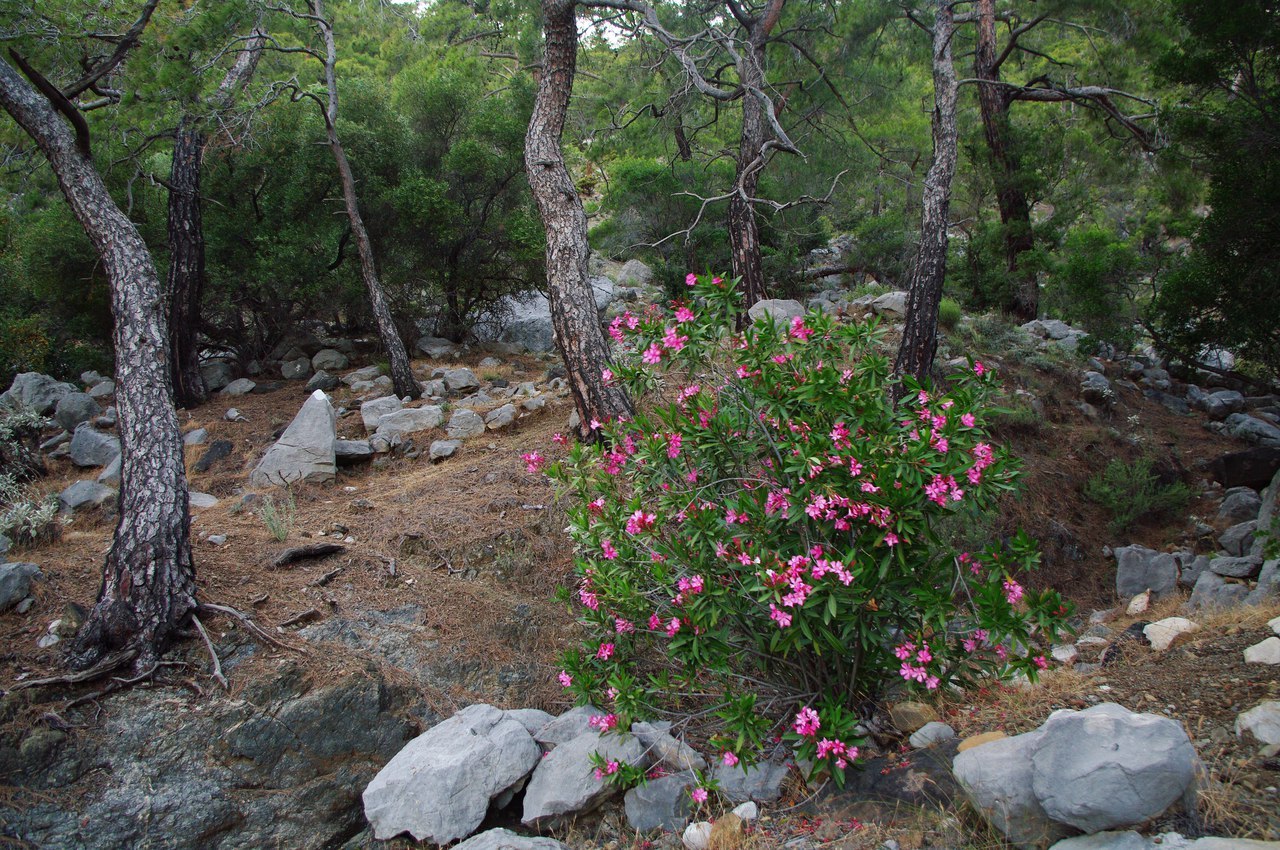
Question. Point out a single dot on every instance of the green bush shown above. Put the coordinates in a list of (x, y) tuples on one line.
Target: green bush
[(1092, 282), (1133, 492), (773, 533), (949, 313)]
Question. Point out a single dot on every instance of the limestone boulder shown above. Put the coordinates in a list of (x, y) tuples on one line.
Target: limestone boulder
[(305, 451)]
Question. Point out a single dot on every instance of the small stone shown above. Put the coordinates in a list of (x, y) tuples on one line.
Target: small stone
[(911, 716), (1065, 654), (217, 539), (240, 386), (234, 415), (1274, 625), (85, 494), (201, 501), (1139, 604), (501, 417), (196, 437), (465, 423), (934, 732), (1262, 722), (1162, 633), (697, 836), (441, 449), (748, 811), (1267, 652), (978, 740), (15, 583)]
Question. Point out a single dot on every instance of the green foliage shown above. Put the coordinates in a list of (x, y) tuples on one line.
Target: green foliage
[(773, 531), (1133, 492), (1092, 282), (25, 517), (949, 313), (278, 516)]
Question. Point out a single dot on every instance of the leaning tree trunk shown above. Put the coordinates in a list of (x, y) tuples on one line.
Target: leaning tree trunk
[(920, 335), (573, 306), (401, 372), (148, 582), (186, 264), (1015, 210), (186, 232)]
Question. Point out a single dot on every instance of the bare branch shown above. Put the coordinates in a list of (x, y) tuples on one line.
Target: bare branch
[(127, 42)]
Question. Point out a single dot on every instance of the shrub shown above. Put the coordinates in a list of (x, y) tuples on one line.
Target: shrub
[(770, 529), (949, 313), (24, 517), (1132, 492), (278, 516)]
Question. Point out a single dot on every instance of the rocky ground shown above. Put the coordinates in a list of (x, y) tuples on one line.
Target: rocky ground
[(440, 597)]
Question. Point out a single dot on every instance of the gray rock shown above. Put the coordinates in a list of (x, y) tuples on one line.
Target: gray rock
[(83, 494), (535, 403), (1139, 568), (234, 415), (305, 451), (1238, 539), (891, 304), (15, 583), (564, 782), (1265, 652), (297, 369), (102, 389), (1107, 767), (780, 310), (217, 374), (1191, 568), (55, 441), (90, 377), (1254, 430), (500, 418), (532, 719), (1240, 504), (201, 501), (1170, 402), (1262, 722), (1223, 403), (74, 408), (329, 360), (434, 388), (574, 722), (410, 420), (460, 379), (997, 777), (93, 448), (441, 449), (635, 273), (1268, 588), (371, 412), (37, 391), (439, 786), (110, 476), (934, 732), (1245, 567), (505, 839), (1212, 591), (238, 387), (664, 749), (760, 782), (217, 450), (1104, 841), (322, 380), (367, 373), (196, 437), (661, 803), (465, 423), (5, 544), (352, 451), (1096, 388), (436, 347)]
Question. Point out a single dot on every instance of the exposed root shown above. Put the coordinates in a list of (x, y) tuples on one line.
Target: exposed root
[(106, 665), (256, 630), (213, 654)]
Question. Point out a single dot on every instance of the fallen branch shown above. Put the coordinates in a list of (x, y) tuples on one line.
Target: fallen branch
[(306, 553), (297, 619), (326, 578)]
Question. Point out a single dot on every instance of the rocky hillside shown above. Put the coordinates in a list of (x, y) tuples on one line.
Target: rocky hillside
[(387, 570)]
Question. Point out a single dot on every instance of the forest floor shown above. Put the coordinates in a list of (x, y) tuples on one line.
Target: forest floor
[(477, 541)]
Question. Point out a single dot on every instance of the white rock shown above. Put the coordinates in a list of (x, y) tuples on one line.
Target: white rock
[(1267, 652), (1139, 603), (410, 420), (997, 779), (202, 501), (564, 783), (748, 811), (371, 412), (934, 732), (1262, 722), (465, 423), (697, 836), (1275, 625), (1065, 654), (1162, 633), (505, 839)]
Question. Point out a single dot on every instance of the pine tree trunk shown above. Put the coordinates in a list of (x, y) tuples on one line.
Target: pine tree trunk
[(148, 583), (573, 308), (186, 264), (401, 372), (920, 334), (1015, 210)]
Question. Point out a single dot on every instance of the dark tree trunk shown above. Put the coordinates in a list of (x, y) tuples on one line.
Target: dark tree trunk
[(573, 307), (1015, 210), (920, 334), (186, 233), (148, 582), (186, 264), (401, 372)]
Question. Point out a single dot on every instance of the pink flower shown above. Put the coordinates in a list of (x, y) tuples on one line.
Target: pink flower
[(799, 330), (560, 439), (807, 722), (979, 369), (606, 549), (782, 618), (605, 652), (596, 425), (891, 539), (652, 355), (533, 461), (674, 441), (603, 722), (673, 340), (967, 420), (607, 376), (728, 759), (1040, 661), (932, 683), (684, 314), (565, 679), (690, 279), (698, 794), (924, 656), (1012, 591), (655, 622), (622, 626), (673, 627)]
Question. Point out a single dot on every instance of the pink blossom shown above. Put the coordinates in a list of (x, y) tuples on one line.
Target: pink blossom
[(1040, 661), (979, 369), (698, 794), (652, 355), (728, 759), (891, 539), (607, 376), (605, 652), (932, 683), (799, 330), (533, 461), (622, 626), (640, 521), (673, 627), (690, 279), (596, 425), (606, 549), (967, 420), (655, 622), (565, 679), (782, 618), (684, 314), (1012, 591), (807, 722), (924, 656), (674, 441), (673, 340), (560, 439)]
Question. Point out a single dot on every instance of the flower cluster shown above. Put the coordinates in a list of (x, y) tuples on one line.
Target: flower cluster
[(777, 519)]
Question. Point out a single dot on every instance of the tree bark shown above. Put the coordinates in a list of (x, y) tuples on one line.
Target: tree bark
[(186, 276), (573, 308), (920, 334), (148, 582), (401, 372), (1015, 210)]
